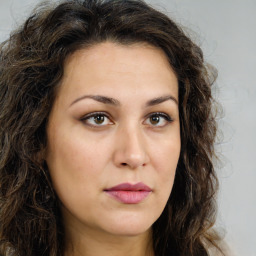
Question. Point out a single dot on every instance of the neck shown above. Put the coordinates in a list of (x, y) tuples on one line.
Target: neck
[(93, 243)]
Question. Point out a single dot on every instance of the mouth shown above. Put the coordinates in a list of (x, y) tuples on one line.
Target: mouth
[(129, 193)]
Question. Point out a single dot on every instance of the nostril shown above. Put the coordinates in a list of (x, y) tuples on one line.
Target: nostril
[(123, 164)]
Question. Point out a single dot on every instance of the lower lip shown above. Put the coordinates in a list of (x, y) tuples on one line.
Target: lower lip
[(128, 197)]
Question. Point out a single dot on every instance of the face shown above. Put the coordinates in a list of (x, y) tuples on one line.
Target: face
[(114, 138)]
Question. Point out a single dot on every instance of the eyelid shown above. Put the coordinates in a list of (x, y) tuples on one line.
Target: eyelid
[(92, 114), (162, 114), (167, 117)]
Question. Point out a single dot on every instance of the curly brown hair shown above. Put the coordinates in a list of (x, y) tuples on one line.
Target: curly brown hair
[(31, 68)]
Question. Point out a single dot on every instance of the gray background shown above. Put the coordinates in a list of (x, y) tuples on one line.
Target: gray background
[(226, 30)]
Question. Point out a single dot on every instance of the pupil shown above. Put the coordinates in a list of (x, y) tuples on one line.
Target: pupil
[(155, 119), (99, 119)]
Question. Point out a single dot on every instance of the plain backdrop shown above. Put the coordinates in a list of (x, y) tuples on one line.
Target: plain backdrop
[(226, 31)]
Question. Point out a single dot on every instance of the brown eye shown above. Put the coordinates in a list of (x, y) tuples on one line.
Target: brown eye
[(99, 119), (158, 119), (154, 120)]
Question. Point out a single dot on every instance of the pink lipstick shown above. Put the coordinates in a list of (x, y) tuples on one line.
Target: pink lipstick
[(128, 193)]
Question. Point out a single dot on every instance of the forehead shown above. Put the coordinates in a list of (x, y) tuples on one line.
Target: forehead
[(112, 68), (139, 55)]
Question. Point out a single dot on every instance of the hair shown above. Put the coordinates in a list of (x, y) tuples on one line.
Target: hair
[(31, 68)]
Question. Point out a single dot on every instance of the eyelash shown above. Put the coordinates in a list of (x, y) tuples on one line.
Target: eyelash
[(166, 117), (87, 117), (94, 114)]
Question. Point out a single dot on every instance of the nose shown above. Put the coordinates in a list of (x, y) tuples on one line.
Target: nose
[(130, 149)]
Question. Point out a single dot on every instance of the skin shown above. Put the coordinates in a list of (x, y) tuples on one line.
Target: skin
[(131, 142)]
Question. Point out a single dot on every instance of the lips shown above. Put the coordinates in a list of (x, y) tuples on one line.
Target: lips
[(129, 193)]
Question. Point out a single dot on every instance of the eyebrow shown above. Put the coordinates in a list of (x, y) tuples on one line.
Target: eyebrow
[(161, 99), (114, 102), (99, 98)]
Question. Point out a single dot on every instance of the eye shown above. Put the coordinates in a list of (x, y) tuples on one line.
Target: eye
[(158, 119), (96, 119)]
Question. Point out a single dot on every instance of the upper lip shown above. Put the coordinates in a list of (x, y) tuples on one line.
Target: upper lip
[(130, 187)]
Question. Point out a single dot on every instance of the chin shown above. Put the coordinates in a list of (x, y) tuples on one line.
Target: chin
[(130, 232), (130, 226)]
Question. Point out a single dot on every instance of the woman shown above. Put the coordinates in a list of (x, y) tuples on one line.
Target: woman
[(107, 132)]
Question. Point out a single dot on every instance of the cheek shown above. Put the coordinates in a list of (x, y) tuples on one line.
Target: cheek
[(166, 156), (165, 163), (77, 154), (75, 171), (77, 167), (74, 166)]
